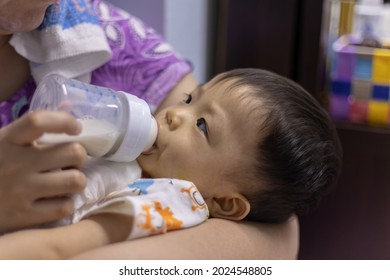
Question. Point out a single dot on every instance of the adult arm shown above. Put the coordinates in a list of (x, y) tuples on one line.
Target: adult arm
[(29, 195), (64, 242), (214, 239)]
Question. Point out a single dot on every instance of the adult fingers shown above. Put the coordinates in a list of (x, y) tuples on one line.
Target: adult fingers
[(36, 213), (50, 210), (56, 184), (31, 126), (24, 200), (54, 156)]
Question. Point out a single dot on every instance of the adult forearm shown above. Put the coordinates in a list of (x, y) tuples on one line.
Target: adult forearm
[(207, 241), (67, 241)]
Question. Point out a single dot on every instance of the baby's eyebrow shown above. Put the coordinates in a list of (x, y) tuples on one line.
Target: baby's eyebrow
[(199, 90)]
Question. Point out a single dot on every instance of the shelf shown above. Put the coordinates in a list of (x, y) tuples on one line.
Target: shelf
[(363, 127)]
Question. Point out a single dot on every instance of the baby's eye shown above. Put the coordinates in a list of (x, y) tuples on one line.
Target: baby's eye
[(202, 125), (188, 99)]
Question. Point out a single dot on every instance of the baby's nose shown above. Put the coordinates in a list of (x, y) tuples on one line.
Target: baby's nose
[(174, 118)]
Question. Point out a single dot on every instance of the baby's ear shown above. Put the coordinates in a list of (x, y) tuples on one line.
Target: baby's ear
[(233, 207)]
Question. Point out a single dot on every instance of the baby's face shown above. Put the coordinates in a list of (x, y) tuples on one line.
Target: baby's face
[(201, 139)]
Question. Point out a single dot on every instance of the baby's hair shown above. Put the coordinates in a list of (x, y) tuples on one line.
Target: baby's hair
[(298, 154)]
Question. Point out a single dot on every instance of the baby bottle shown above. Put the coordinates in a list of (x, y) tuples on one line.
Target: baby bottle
[(115, 125)]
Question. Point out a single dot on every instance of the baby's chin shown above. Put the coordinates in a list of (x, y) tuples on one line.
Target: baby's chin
[(144, 161)]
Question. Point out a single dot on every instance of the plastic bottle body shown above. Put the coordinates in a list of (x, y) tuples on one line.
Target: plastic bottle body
[(116, 125)]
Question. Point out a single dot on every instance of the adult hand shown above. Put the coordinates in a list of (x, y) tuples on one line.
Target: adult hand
[(29, 194)]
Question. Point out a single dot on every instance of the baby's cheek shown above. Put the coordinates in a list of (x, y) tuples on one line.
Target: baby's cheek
[(179, 163), (144, 163), (182, 174)]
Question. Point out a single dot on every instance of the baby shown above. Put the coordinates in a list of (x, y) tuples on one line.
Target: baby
[(256, 145)]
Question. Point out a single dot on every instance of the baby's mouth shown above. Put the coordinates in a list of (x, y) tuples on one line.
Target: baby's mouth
[(150, 150)]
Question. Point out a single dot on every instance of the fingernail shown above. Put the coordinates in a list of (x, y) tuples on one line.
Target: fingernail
[(78, 128)]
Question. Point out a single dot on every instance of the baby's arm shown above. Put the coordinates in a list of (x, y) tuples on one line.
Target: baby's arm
[(65, 242)]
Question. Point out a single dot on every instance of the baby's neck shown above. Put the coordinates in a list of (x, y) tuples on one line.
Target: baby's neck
[(145, 175)]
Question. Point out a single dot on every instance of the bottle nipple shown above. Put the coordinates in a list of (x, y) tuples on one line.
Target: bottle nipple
[(152, 135)]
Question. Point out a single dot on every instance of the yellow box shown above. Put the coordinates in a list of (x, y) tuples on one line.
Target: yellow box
[(381, 66), (378, 112), (360, 81)]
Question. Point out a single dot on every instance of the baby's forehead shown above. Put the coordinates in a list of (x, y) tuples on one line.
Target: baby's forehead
[(244, 98), (243, 104), (234, 86), (227, 88)]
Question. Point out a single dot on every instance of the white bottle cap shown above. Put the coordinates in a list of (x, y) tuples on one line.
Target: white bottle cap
[(152, 135), (141, 131)]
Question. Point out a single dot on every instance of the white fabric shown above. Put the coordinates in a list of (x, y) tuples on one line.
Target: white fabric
[(156, 205), (69, 42)]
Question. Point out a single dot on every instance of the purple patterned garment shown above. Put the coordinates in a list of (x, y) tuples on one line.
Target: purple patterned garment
[(142, 63)]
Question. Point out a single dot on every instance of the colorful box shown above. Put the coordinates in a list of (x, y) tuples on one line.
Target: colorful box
[(360, 82)]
